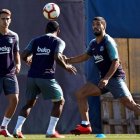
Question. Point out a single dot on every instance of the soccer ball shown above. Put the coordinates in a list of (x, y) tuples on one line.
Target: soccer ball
[(51, 11)]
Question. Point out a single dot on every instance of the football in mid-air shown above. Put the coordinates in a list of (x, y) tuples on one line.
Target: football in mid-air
[(51, 11)]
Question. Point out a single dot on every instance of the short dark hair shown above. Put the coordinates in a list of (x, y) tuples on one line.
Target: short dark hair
[(100, 19), (52, 26), (5, 11)]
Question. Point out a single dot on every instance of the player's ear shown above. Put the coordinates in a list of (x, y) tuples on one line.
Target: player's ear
[(10, 20), (58, 31), (104, 24)]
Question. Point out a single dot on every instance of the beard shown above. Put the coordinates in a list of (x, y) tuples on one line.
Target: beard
[(97, 33)]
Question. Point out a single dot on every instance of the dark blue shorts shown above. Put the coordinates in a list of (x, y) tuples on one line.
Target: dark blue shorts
[(117, 87), (9, 85)]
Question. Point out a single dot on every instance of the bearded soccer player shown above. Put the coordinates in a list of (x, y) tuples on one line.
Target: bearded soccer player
[(104, 50), (9, 67)]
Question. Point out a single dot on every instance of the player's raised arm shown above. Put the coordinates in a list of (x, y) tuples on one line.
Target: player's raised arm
[(78, 59), (60, 60)]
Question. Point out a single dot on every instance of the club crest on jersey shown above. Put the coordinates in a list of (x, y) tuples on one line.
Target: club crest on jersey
[(101, 48), (10, 40), (98, 58), (5, 50)]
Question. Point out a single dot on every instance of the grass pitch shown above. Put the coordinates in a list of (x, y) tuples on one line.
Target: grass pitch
[(81, 137)]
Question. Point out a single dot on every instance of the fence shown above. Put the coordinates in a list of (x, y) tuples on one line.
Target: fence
[(117, 119)]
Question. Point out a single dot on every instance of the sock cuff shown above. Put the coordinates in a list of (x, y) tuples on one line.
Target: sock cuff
[(21, 117), (54, 118), (7, 118)]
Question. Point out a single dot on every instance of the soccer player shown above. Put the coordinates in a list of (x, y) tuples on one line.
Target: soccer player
[(42, 52), (104, 50), (9, 67)]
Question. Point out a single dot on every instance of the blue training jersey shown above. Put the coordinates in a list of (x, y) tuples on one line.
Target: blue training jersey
[(9, 44), (43, 49), (103, 54)]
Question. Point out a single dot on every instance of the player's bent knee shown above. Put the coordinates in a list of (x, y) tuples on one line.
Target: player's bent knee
[(63, 101), (29, 105), (59, 102)]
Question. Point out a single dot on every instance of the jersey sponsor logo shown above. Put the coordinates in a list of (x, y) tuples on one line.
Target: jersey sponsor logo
[(49, 71), (11, 40), (43, 51), (101, 48), (4, 50), (98, 58)]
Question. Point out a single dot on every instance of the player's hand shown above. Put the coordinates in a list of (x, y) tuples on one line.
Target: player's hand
[(29, 60), (65, 59), (103, 82), (18, 66), (71, 69)]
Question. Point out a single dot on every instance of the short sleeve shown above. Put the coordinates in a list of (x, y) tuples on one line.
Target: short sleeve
[(112, 49), (89, 49), (60, 46), (16, 45)]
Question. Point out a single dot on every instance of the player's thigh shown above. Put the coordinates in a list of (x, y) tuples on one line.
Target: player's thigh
[(89, 89), (32, 90), (118, 88), (50, 89), (10, 85), (13, 98)]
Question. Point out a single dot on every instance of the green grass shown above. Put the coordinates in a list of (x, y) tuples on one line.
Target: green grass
[(81, 137)]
